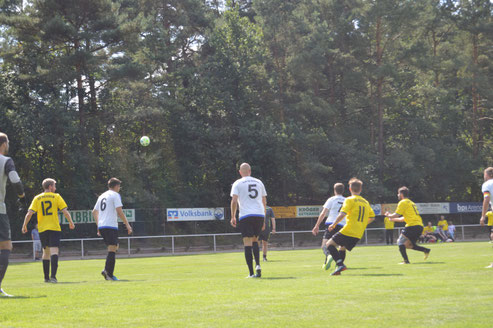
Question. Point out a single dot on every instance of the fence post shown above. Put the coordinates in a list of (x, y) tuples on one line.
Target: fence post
[(34, 252), (366, 237), (463, 237), (292, 238), (172, 245), (214, 237), (128, 246), (82, 248)]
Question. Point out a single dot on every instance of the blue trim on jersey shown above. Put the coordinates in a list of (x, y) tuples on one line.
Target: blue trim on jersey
[(339, 224), (249, 215), (108, 227)]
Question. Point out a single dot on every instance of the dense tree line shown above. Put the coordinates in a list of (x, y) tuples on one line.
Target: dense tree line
[(309, 92)]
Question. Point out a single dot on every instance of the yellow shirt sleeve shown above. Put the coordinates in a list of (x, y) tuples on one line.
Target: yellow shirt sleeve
[(60, 202)]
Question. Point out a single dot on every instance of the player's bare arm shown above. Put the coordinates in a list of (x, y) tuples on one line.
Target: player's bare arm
[(486, 203), (319, 221), (69, 218), (234, 207), (122, 216), (273, 220), (95, 215), (27, 218)]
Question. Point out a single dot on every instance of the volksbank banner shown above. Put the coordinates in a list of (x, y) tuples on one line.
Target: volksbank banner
[(195, 214), (85, 216)]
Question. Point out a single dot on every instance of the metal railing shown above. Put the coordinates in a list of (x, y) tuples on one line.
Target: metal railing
[(196, 243)]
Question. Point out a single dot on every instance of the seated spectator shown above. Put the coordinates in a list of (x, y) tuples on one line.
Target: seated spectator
[(443, 229), (428, 235)]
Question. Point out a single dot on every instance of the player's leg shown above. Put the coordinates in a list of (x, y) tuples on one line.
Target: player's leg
[(54, 244), (403, 243), (256, 250), (264, 250), (342, 253), (5, 250), (413, 234), (247, 244), (257, 223), (46, 263), (109, 267)]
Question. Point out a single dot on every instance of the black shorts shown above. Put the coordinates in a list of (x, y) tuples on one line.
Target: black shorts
[(490, 228), (346, 241), (110, 236), (412, 233), (251, 226), (329, 234), (4, 228), (264, 235), (50, 238)]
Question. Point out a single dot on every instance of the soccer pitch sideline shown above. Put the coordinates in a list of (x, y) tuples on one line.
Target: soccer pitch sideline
[(450, 289)]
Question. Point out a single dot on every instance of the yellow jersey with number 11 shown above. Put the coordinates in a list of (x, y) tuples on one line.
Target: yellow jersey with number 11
[(358, 212), (46, 206)]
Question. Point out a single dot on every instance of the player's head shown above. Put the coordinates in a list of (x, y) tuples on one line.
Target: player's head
[(442, 217), (114, 184), (4, 144), (245, 170), (488, 173), (49, 185), (338, 188), (403, 192), (355, 186), (429, 223)]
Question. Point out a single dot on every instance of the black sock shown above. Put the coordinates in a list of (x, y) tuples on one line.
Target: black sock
[(256, 252), (421, 249), (46, 268), (249, 258), (335, 254), (4, 263), (402, 249), (110, 263), (342, 254), (54, 265)]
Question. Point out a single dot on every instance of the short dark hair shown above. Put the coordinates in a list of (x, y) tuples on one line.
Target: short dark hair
[(355, 184), (3, 138), (113, 182), (47, 183), (339, 188), (404, 191)]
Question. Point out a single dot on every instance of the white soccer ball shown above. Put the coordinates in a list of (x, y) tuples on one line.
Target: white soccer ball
[(145, 141)]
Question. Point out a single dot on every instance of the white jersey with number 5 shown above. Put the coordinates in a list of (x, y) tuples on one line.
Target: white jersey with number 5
[(250, 191), (106, 205)]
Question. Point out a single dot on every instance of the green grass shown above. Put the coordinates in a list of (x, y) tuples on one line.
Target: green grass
[(451, 289)]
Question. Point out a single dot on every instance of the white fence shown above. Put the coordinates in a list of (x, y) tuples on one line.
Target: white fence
[(183, 244)]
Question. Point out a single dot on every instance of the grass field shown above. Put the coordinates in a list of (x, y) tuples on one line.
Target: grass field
[(451, 289)]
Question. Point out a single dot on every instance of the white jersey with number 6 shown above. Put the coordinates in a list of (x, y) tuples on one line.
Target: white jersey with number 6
[(106, 205), (250, 191)]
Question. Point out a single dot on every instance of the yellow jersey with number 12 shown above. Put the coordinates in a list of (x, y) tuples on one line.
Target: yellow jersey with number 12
[(46, 206), (358, 212), (409, 211)]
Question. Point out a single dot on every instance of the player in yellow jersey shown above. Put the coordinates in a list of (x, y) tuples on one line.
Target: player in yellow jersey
[(359, 214), (407, 212), (46, 206), (489, 215), (389, 231)]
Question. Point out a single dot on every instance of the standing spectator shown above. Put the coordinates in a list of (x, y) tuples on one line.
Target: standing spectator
[(36, 242), (389, 231), (451, 230), (487, 190), (489, 216), (270, 226)]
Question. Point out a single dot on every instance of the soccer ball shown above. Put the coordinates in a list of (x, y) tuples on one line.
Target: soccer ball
[(145, 141)]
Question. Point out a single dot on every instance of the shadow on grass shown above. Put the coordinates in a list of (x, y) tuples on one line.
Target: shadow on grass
[(69, 282), (21, 297), (277, 278), (370, 268), (378, 274), (429, 262)]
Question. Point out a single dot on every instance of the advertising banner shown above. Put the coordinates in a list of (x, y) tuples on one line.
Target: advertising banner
[(85, 216), (195, 214), (284, 212), (466, 207), (377, 208), (433, 208), (308, 211), (388, 208)]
